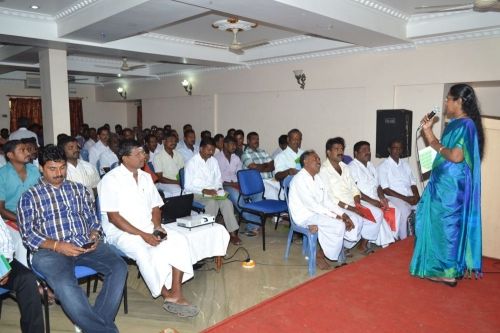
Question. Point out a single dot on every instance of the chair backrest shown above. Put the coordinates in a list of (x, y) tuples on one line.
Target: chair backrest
[(250, 182), (286, 186), (181, 179), (114, 165), (347, 159), (151, 166), (84, 154)]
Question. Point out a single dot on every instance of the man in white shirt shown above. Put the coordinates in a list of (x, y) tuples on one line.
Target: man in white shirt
[(167, 164), (204, 180), (99, 147), (287, 162), (132, 204), (153, 146), (282, 144), (91, 140), (311, 207), (344, 192), (372, 196), (108, 158), (77, 170), (399, 185), (22, 281), (22, 131), (188, 147)]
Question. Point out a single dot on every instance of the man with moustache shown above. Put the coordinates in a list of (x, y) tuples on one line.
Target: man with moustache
[(167, 164), (204, 180), (16, 177), (287, 162), (399, 185), (132, 222), (188, 147), (77, 170), (311, 207), (58, 219), (372, 196), (344, 192), (99, 148)]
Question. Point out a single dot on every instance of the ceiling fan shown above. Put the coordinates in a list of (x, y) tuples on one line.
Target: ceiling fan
[(477, 5), (234, 25), (124, 67)]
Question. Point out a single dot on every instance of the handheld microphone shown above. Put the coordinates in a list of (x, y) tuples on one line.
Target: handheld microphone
[(429, 115)]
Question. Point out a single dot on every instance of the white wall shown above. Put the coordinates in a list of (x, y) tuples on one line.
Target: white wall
[(95, 113), (341, 96)]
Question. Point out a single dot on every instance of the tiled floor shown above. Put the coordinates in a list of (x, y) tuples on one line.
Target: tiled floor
[(218, 295)]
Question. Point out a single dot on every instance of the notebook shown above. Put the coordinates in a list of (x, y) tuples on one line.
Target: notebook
[(176, 207)]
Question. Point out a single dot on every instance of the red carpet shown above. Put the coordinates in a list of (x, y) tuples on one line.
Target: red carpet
[(377, 294)]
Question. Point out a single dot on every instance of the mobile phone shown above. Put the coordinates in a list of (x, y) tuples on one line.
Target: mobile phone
[(88, 245), (159, 233)]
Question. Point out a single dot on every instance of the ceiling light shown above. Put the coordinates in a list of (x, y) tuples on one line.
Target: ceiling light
[(35, 7)]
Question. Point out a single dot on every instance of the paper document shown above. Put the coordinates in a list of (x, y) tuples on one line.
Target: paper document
[(426, 156)]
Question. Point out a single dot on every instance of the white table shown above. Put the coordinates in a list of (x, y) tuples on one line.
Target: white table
[(207, 241)]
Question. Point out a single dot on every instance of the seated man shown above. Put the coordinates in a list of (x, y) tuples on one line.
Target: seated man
[(188, 148), (282, 145), (399, 184), (59, 225), (108, 159), (22, 281), (287, 162), (17, 176), (255, 158), (133, 224), (229, 165), (99, 147), (344, 192), (203, 179), (78, 171), (167, 164), (372, 196), (311, 207)]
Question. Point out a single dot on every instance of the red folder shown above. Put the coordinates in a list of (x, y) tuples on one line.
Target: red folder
[(365, 212), (390, 217)]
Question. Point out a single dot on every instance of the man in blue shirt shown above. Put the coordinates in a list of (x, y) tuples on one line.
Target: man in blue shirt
[(16, 177), (59, 225)]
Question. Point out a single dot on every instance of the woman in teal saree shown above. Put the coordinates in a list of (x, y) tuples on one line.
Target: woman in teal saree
[(448, 218)]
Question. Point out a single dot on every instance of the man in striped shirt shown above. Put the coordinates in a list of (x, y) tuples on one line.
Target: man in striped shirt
[(59, 225)]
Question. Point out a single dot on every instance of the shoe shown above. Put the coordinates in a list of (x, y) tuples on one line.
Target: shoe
[(452, 284), (251, 233), (181, 310)]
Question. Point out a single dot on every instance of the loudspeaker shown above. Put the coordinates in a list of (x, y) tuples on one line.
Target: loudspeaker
[(393, 124)]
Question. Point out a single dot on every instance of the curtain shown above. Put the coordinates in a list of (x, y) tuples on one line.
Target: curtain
[(75, 115), (139, 116), (28, 107)]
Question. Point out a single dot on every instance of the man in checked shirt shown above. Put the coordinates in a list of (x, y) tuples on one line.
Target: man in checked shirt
[(59, 225)]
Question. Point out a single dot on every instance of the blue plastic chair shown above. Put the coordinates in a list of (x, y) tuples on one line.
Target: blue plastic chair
[(309, 239), (81, 272), (197, 206), (251, 184), (347, 159), (151, 166)]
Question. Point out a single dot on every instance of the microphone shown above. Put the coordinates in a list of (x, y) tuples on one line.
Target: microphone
[(429, 115)]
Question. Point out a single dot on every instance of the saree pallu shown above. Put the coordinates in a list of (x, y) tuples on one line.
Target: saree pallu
[(448, 218)]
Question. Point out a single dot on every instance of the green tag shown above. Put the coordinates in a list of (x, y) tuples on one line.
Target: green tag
[(4, 266)]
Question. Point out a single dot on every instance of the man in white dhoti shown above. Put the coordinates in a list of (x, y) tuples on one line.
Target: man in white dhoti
[(132, 203), (344, 192), (372, 196), (399, 185), (311, 207)]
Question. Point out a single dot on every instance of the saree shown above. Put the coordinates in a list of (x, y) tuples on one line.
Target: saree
[(448, 217)]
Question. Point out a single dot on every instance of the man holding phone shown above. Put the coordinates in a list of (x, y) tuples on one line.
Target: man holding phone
[(131, 219), (59, 225)]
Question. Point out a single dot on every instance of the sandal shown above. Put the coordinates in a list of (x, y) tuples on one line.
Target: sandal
[(181, 310)]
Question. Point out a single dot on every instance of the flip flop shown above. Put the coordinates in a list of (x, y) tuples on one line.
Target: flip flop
[(181, 310)]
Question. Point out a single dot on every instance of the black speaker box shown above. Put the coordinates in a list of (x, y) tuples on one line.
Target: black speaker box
[(393, 124)]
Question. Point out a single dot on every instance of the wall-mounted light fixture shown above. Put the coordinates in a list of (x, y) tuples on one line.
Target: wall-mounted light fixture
[(301, 77), (187, 86), (122, 92)]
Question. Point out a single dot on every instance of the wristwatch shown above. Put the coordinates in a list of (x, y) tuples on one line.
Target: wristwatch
[(346, 206)]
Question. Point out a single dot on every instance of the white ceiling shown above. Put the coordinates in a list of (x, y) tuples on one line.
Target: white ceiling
[(163, 34)]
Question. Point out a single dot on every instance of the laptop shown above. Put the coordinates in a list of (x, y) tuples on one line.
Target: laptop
[(176, 207)]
